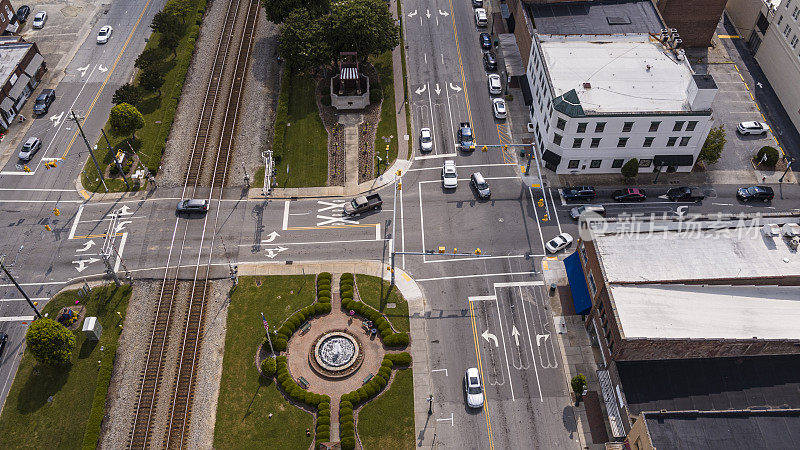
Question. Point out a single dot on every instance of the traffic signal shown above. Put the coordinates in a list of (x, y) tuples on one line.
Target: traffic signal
[(56, 212), (47, 227), (26, 169)]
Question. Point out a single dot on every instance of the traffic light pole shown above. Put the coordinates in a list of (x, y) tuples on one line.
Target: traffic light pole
[(86, 141), (19, 288), (116, 161)]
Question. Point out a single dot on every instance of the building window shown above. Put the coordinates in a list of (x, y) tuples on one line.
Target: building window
[(592, 284), (622, 142), (617, 163), (678, 125), (573, 163), (595, 142), (596, 163), (671, 141), (576, 143), (645, 162), (561, 123), (627, 126), (793, 42), (787, 30), (599, 127), (654, 126), (796, 12), (583, 255), (648, 141), (582, 127), (780, 19), (556, 139), (691, 125), (684, 141)]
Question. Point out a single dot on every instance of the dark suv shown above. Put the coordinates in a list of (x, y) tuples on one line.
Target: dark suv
[(192, 205), (763, 193), (576, 193), (489, 61), (629, 195), (43, 101)]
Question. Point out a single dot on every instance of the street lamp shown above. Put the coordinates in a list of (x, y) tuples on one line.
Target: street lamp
[(789, 166), (430, 404)]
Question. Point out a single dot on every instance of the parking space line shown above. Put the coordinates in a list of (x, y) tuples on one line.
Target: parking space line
[(555, 213), (479, 275), (530, 343), (505, 350)]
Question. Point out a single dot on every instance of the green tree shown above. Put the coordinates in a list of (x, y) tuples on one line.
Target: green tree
[(125, 119), (178, 8), (127, 93), (268, 367), (303, 42), (170, 41), (712, 147), (277, 11), (631, 168), (164, 22), (363, 26), (50, 342), (578, 383), (767, 155), (150, 58), (151, 80)]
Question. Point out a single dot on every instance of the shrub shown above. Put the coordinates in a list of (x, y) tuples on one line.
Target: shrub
[(767, 155), (324, 293), (345, 404), (348, 443), (125, 119), (326, 307), (577, 383), (323, 428), (631, 168), (324, 407), (285, 330), (281, 359), (323, 437), (381, 381), (50, 342), (268, 367), (326, 399), (385, 332), (371, 388), (280, 344), (400, 359), (282, 377), (396, 340), (346, 398), (345, 412), (324, 299), (362, 394), (387, 362), (327, 275), (293, 322), (385, 372), (375, 94)]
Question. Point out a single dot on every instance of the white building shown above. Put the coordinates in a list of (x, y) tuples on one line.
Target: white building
[(600, 100)]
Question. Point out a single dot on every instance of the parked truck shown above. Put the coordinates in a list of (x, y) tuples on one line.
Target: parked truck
[(362, 204), (465, 138)]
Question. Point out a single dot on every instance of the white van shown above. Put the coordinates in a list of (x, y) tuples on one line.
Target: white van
[(480, 17), (577, 212)]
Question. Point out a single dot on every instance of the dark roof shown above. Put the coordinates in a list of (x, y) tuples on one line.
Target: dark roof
[(727, 430), (704, 81), (596, 17), (708, 384), (568, 103)]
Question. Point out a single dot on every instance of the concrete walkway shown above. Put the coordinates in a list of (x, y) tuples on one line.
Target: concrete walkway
[(350, 121), (399, 92)]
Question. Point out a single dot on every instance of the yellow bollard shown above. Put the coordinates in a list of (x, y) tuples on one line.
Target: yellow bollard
[(484, 148), (441, 249), (399, 186), (47, 227), (477, 251), (455, 250)]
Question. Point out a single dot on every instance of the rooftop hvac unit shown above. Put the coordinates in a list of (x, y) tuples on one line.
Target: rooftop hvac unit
[(791, 230), (771, 229), (677, 43), (663, 36), (679, 54), (531, 127), (587, 85), (673, 32)]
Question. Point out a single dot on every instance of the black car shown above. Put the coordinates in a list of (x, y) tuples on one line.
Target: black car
[(486, 41), (3, 339), (489, 61), (763, 193), (579, 193), (629, 195), (43, 101), (23, 12), (685, 193)]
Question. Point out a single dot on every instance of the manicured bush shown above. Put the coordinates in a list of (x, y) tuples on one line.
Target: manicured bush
[(347, 428), (345, 412), (381, 381), (381, 321), (323, 420), (326, 308), (396, 340), (348, 443), (385, 332), (371, 388), (346, 420), (324, 292), (285, 330), (280, 344), (323, 428), (767, 155), (387, 362), (268, 367), (362, 394), (346, 398), (384, 372), (345, 404), (324, 299), (325, 275), (400, 359)]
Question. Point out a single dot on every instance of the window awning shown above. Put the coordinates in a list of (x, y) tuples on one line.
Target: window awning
[(577, 284), (34, 65), (19, 86), (349, 73), (551, 158), (673, 160)]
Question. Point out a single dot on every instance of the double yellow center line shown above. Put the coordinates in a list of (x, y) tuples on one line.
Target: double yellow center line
[(480, 369)]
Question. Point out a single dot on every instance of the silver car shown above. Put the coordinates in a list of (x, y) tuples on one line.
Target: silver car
[(495, 87), (31, 146), (192, 205), (39, 19), (473, 388), (425, 140)]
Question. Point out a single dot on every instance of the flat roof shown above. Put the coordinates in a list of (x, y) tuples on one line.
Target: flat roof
[(596, 17), (711, 384), (10, 57), (692, 251), (724, 430), (625, 73), (677, 311)]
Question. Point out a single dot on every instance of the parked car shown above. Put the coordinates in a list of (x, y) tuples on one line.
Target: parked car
[(747, 128), (362, 204), (558, 243), (425, 140), (104, 34), (449, 174), (685, 193), (489, 62), (29, 148), (629, 195), (499, 108), (481, 185), (495, 87), (473, 388), (581, 193), (578, 211), (485, 40), (39, 19), (23, 12), (763, 193), (192, 205), (3, 340), (480, 17), (43, 101), (477, 3)]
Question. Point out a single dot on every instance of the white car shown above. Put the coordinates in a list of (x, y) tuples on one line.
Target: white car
[(31, 146), (494, 84), (473, 388), (499, 108), (449, 174), (746, 128), (425, 140), (104, 34), (39, 19), (559, 242), (480, 17)]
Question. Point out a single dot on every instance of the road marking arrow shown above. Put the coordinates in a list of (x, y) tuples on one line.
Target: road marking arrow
[(539, 338), (83, 263), (56, 118), (428, 13), (438, 90), (83, 70), (271, 237), (515, 333), (125, 210), (102, 68), (420, 90), (444, 13), (455, 87), (273, 252), (412, 14), (121, 226), (86, 246), (486, 335)]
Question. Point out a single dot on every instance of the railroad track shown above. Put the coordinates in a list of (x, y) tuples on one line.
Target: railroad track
[(142, 434)]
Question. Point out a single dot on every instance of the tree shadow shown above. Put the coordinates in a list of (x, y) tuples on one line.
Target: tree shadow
[(87, 348), (150, 104), (41, 384)]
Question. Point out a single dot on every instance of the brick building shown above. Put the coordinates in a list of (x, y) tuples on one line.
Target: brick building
[(696, 20), (21, 69)]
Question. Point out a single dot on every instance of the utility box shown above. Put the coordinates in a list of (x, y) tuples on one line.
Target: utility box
[(92, 328)]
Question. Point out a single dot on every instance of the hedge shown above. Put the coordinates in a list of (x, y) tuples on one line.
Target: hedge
[(399, 359), (91, 434), (282, 113), (268, 367), (396, 340)]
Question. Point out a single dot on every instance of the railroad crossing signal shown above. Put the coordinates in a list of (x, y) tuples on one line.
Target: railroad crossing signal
[(56, 212)]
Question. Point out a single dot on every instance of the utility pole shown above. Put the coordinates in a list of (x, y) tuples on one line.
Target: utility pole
[(530, 157), (19, 288), (108, 245), (86, 141), (789, 166), (116, 161)]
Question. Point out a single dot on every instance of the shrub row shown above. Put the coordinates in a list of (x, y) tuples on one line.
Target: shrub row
[(268, 367), (389, 337), (324, 287), (280, 339), (294, 390), (399, 359), (282, 113), (323, 430)]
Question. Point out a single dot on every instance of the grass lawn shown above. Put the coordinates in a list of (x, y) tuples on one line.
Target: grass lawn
[(158, 112), (388, 421), (405, 82), (301, 141), (244, 400), (377, 293), (29, 420), (387, 125)]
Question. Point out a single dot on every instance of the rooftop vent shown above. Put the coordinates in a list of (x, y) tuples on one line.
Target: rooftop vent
[(587, 85), (618, 20)]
